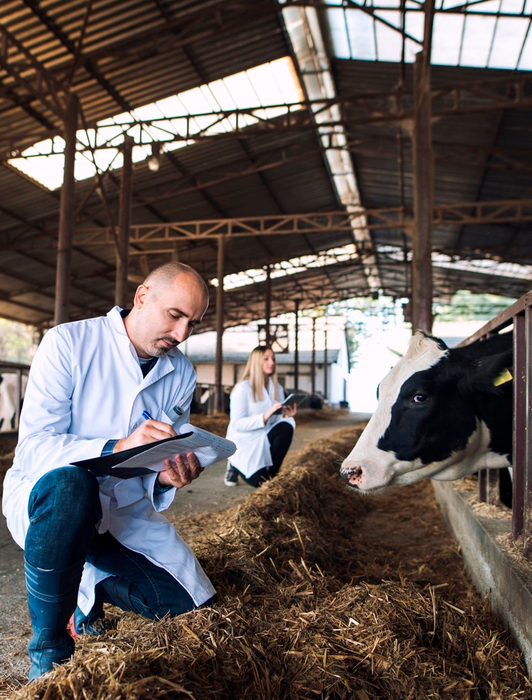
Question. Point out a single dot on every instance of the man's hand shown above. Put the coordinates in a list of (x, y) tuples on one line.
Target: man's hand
[(150, 431), (180, 471)]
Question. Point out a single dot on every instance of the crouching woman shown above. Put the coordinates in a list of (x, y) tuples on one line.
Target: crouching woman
[(259, 425)]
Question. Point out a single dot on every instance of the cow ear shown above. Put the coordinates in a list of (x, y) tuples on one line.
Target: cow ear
[(484, 374)]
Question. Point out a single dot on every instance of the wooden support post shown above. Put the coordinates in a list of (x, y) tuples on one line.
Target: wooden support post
[(122, 252), (219, 326), (296, 346), (268, 305), (423, 170), (313, 360), (66, 217), (423, 165), (325, 360)]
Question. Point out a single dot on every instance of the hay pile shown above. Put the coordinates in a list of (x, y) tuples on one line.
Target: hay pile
[(321, 594), (218, 422)]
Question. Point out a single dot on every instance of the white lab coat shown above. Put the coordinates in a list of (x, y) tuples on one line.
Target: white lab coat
[(247, 428), (86, 387)]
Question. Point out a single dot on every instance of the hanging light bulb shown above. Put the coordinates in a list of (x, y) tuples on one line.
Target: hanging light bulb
[(154, 160)]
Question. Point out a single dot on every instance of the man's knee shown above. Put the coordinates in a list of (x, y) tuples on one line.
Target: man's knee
[(68, 492)]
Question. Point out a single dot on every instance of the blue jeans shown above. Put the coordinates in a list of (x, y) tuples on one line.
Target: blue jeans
[(64, 507)]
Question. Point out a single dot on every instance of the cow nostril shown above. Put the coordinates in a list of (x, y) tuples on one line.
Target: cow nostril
[(353, 476)]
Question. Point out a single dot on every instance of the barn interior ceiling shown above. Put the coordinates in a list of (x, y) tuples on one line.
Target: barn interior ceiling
[(285, 127)]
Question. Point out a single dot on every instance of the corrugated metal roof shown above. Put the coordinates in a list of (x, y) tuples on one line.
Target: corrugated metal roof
[(136, 52)]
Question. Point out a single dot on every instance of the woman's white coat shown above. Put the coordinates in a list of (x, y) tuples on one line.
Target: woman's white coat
[(247, 428), (86, 387)]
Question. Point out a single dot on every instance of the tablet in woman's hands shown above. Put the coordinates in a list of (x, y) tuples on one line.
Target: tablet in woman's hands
[(296, 398)]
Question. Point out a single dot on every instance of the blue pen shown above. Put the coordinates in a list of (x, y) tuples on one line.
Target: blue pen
[(146, 415)]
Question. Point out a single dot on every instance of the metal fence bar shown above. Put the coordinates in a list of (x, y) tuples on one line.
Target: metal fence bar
[(519, 436), (526, 378), (520, 315)]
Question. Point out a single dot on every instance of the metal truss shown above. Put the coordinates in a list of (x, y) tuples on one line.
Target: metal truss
[(156, 235), (495, 212), (513, 91)]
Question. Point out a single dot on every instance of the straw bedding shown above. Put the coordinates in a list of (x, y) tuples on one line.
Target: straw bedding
[(321, 594)]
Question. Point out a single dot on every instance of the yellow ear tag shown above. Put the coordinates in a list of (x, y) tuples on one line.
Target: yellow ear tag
[(503, 377)]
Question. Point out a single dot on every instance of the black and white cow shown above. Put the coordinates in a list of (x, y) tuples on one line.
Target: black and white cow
[(440, 415)]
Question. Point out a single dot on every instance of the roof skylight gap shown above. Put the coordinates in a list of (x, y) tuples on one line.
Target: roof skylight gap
[(267, 91), (285, 268), (481, 33)]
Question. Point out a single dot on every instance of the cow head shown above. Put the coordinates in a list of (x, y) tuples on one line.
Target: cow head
[(433, 417)]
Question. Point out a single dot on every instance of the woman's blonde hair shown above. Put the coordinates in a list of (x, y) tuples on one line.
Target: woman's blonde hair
[(254, 372)]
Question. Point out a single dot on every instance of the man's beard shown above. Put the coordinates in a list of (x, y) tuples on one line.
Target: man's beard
[(158, 351)]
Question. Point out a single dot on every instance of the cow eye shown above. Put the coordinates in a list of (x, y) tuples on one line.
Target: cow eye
[(419, 398)]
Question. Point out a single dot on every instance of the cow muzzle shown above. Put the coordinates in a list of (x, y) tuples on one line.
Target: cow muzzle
[(367, 474), (352, 474)]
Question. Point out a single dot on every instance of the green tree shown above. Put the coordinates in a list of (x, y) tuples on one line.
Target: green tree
[(16, 342), (466, 306)]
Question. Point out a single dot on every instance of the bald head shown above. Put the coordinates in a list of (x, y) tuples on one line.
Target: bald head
[(165, 275), (168, 306)]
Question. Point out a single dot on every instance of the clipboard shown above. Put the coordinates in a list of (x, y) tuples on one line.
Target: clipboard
[(147, 459)]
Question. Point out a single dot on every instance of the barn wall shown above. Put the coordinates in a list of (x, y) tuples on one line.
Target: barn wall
[(336, 378), (497, 569)]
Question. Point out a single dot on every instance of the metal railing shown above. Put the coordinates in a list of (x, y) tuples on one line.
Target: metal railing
[(13, 378), (519, 315)]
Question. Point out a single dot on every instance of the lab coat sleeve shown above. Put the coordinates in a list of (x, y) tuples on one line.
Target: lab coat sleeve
[(160, 500), (163, 499), (44, 440), (241, 420)]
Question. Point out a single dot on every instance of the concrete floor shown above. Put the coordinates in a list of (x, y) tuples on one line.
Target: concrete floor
[(207, 494)]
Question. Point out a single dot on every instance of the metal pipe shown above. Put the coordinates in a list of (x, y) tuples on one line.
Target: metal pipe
[(296, 346), (268, 309), (313, 360), (219, 324), (325, 360)]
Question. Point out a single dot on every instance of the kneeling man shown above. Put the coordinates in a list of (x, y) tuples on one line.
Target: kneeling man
[(86, 539)]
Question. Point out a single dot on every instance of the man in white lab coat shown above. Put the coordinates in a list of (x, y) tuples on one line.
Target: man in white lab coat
[(89, 540)]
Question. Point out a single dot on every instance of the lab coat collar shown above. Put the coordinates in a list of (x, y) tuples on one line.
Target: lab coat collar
[(119, 328), (164, 365)]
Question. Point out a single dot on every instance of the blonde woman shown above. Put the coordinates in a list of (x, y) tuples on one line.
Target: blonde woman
[(259, 425)]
